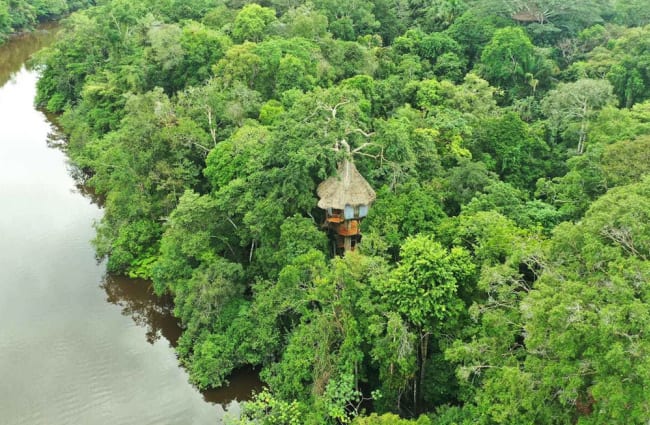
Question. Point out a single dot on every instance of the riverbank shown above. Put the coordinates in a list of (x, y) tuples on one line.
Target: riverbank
[(16, 53), (74, 347), (20, 17)]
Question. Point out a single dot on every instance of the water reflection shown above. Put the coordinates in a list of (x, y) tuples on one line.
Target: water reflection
[(90, 355), (14, 54), (55, 138), (137, 301), (66, 355), (243, 383)]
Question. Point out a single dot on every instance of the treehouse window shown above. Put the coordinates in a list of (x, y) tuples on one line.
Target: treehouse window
[(363, 211), (349, 212)]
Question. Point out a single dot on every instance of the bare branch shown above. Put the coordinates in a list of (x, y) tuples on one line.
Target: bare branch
[(232, 222), (337, 106), (356, 150), (345, 144), (358, 130), (369, 155), (212, 127), (250, 257), (207, 150)]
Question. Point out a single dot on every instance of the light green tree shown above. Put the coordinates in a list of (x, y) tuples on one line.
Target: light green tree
[(571, 106), (423, 289), (252, 23), (511, 62)]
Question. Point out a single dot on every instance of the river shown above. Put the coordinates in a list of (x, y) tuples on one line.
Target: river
[(77, 347)]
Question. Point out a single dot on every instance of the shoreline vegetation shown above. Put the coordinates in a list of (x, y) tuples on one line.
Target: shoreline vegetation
[(23, 16), (503, 273)]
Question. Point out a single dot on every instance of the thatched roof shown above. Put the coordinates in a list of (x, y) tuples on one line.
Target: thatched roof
[(525, 16), (348, 187)]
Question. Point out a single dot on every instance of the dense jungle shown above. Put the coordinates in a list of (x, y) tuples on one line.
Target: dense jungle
[(504, 271)]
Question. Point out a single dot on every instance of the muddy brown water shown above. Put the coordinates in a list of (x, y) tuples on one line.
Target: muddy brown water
[(76, 346)]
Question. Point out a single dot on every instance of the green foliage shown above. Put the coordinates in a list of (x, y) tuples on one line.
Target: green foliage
[(206, 127), (571, 323), (252, 22), (571, 106), (407, 211), (265, 409), (132, 247), (305, 22), (423, 287), (390, 419), (441, 52), (23, 15), (626, 162), (187, 60), (632, 13), (601, 300), (270, 112), (348, 20), (514, 204), (622, 61), (463, 182), (78, 54), (5, 19), (472, 31), (511, 61), (512, 149), (551, 20)]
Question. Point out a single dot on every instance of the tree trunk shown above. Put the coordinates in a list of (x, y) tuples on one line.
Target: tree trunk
[(418, 381), (583, 129), (347, 244), (582, 137)]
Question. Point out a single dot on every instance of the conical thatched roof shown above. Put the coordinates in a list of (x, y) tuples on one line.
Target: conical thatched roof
[(348, 187)]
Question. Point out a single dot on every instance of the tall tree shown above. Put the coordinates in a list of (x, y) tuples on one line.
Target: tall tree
[(512, 62), (423, 289), (573, 105)]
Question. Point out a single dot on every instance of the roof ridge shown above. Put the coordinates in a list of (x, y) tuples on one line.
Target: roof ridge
[(346, 187)]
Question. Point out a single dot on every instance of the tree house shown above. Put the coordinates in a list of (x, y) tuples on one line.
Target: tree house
[(346, 198)]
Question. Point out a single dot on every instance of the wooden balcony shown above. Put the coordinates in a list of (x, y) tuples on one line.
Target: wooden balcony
[(348, 228)]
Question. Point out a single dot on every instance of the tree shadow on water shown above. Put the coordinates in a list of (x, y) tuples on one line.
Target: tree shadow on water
[(136, 299)]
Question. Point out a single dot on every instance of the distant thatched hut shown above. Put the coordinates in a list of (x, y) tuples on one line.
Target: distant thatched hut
[(346, 198), (525, 16)]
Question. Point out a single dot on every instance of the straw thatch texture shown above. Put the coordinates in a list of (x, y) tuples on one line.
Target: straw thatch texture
[(526, 16), (348, 187)]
